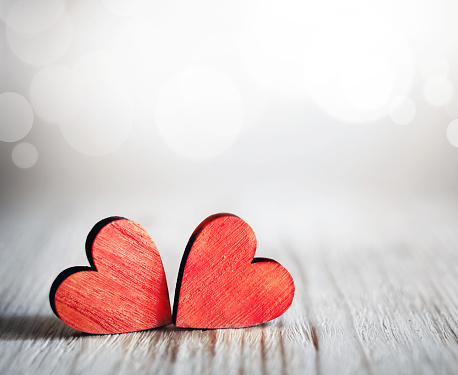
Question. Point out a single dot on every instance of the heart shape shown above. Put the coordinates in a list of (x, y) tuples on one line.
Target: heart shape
[(124, 290), (222, 285)]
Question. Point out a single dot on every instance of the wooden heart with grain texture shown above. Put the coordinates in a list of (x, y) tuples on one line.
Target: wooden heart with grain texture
[(124, 290), (222, 285)]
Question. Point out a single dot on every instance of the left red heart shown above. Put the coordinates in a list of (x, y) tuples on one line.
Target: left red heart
[(124, 290)]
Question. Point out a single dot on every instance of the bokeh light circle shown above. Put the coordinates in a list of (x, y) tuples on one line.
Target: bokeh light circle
[(97, 132), (367, 83), (402, 110), (273, 44), (433, 65), (16, 117), (104, 120), (355, 65), (124, 8), (452, 133), (44, 47), (452, 107), (199, 112), (438, 90), (101, 81), (5, 7), (31, 16), (93, 25), (24, 155), (53, 94)]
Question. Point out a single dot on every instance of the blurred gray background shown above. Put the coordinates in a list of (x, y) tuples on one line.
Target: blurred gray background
[(282, 112), (329, 126)]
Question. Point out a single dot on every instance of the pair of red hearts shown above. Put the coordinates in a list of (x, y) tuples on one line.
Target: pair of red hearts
[(220, 283)]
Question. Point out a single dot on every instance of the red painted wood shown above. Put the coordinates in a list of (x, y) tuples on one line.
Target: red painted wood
[(221, 285), (125, 290)]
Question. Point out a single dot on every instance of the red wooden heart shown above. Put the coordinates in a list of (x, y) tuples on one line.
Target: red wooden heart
[(124, 290), (222, 285)]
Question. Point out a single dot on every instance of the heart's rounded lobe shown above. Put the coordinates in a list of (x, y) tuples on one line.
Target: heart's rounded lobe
[(125, 290), (222, 285)]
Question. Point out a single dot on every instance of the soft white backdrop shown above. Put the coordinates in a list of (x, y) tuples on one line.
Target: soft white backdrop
[(262, 108)]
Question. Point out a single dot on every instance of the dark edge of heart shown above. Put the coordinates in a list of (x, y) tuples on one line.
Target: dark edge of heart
[(70, 271), (185, 258)]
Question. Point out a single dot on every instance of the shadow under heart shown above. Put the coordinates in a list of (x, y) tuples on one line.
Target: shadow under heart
[(29, 327)]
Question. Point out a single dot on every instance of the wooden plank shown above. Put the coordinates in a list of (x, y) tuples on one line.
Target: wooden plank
[(374, 298)]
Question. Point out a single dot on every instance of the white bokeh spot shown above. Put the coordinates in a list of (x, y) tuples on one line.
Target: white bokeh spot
[(402, 110), (44, 47), (104, 120), (452, 133), (274, 43), (16, 117), (452, 107), (94, 26), (124, 8), (438, 90), (53, 94), (24, 155), (101, 81), (31, 16), (367, 82), (433, 65), (356, 64), (97, 132), (199, 112)]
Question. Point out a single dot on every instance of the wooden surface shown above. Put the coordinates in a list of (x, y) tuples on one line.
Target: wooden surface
[(376, 293)]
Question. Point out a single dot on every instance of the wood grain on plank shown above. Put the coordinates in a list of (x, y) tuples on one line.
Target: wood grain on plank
[(379, 298)]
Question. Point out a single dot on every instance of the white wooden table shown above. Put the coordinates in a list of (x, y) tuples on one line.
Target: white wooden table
[(376, 293)]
